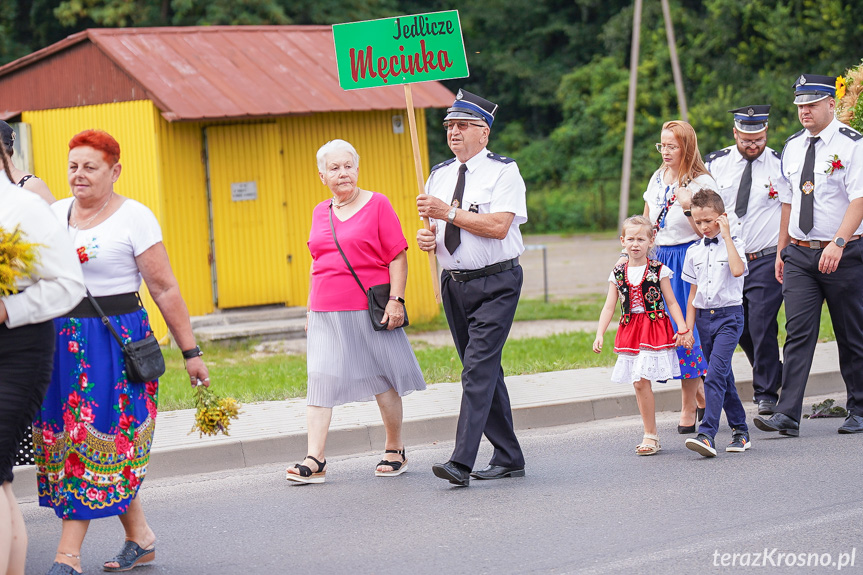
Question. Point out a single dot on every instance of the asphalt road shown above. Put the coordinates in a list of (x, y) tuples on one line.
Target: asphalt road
[(587, 505)]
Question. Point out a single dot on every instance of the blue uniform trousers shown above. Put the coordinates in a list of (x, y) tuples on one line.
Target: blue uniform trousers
[(762, 298), (720, 330), (805, 289), (480, 314)]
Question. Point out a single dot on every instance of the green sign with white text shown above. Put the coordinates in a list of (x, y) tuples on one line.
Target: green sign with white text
[(401, 50)]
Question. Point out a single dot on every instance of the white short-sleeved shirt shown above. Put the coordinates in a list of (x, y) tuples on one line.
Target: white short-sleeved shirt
[(493, 184), (759, 226), (635, 274), (707, 267), (676, 229), (834, 189), (55, 285), (108, 251)]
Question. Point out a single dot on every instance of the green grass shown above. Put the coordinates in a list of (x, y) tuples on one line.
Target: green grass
[(240, 372)]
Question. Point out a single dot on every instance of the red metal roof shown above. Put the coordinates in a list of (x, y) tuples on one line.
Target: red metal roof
[(217, 72)]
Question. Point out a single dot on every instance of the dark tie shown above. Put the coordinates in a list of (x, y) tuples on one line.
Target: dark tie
[(807, 186), (708, 241), (452, 233), (743, 190)]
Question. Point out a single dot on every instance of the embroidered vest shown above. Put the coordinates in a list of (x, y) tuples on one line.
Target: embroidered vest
[(651, 295)]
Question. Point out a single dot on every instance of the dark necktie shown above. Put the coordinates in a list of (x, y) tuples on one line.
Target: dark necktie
[(743, 190), (807, 186), (708, 241), (452, 233)]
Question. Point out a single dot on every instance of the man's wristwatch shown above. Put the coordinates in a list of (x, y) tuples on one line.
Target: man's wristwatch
[(401, 300), (451, 215), (839, 241), (194, 352)]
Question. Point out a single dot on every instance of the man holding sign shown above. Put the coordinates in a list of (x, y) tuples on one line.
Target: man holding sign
[(477, 202)]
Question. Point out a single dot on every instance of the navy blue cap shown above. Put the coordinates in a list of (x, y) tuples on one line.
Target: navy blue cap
[(811, 88), (7, 136), (751, 119), (469, 105)]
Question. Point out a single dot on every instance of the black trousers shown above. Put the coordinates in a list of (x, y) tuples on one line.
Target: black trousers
[(480, 314), (805, 289), (26, 361), (762, 298)]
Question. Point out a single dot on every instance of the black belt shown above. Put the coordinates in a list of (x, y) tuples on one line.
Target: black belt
[(111, 304), (467, 275), (761, 254)]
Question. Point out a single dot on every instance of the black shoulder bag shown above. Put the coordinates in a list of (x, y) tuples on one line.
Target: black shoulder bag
[(378, 296)]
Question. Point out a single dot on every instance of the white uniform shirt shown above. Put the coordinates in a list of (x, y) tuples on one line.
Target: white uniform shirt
[(759, 227), (707, 267), (491, 186), (56, 284), (108, 250), (833, 191), (677, 229)]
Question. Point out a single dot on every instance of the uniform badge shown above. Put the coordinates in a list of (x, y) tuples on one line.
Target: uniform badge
[(801, 80), (459, 96), (807, 188), (750, 112)]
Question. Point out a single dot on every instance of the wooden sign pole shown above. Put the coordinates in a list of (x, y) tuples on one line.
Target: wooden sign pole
[(409, 99)]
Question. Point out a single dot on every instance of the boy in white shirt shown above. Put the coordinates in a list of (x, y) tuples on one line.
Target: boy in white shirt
[(716, 266)]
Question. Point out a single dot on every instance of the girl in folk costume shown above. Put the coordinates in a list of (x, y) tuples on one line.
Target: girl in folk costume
[(645, 341)]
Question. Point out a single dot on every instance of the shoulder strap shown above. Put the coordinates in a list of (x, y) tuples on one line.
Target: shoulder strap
[(344, 257), (23, 180)]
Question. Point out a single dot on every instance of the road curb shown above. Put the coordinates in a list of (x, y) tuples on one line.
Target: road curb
[(350, 440)]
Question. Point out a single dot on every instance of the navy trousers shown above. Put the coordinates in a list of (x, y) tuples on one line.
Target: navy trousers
[(480, 314), (762, 298), (720, 331), (805, 290)]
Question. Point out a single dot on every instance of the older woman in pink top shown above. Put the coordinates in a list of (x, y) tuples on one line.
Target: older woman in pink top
[(347, 359)]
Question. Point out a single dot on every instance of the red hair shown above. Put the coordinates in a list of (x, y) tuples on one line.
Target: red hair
[(98, 140), (691, 165)]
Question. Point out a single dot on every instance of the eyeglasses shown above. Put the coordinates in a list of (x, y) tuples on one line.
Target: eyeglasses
[(752, 143), (461, 124), (669, 147)]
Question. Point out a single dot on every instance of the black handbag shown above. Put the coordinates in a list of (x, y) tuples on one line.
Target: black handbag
[(144, 360), (378, 296)]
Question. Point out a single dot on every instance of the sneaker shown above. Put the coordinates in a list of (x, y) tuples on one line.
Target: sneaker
[(702, 444), (739, 441)]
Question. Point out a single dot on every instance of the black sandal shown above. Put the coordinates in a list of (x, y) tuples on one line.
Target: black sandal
[(399, 467), (305, 475), (130, 556)]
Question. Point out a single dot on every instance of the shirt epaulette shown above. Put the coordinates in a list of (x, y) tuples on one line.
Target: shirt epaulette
[(442, 164), (851, 133), (717, 154), (777, 154), (792, 136), (502, 159)]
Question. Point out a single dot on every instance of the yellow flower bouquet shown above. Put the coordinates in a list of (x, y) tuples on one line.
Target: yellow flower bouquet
[(17, 258), (214, 413)]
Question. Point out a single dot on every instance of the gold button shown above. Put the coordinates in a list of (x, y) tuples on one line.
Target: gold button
[(713, 311)]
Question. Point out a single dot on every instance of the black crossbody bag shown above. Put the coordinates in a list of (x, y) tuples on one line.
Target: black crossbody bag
[(378, 296), (144, 360)]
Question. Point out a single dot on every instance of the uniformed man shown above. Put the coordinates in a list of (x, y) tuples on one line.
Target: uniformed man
[(745, 173), (477, 202), (820, 252)]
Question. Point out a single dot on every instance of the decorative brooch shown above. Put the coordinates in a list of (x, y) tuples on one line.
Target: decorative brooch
[(835, 164), (771, 192)]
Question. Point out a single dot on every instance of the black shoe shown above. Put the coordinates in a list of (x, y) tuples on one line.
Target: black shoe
[(498, 472), (766, 407), (778, 422), (739, 442), (853, 424), (702, 444), (699, 414), (452, 472), (686, 429)]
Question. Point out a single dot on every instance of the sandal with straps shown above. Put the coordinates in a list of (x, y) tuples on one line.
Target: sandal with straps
[(305, 474), (645, 448), (398, 467), (130, 556)]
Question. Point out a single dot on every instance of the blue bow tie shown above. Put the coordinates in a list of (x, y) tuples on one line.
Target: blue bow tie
[(708, 241)]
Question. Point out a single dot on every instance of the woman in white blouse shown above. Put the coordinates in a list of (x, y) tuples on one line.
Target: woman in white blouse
[(666, 204), (54, 286)]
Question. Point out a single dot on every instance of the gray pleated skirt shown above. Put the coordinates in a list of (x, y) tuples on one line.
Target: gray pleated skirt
[(349, 361)]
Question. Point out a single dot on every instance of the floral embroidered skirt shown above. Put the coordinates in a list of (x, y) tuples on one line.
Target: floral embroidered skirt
[(93, 434), (646, 350), (692, 361)]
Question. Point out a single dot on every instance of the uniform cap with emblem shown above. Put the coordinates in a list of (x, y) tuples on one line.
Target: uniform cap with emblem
[(811, 88), (7, 136), (469, 105), (750, 119)]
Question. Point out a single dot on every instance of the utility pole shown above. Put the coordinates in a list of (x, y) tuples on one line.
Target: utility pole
[(623, 213)]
